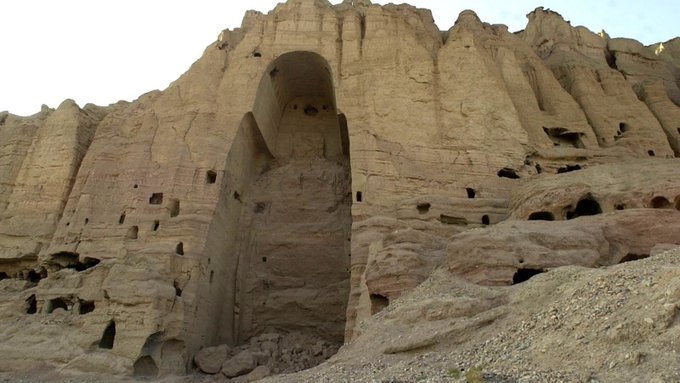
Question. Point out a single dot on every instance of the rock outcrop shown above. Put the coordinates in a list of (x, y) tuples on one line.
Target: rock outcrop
[(314, 166)]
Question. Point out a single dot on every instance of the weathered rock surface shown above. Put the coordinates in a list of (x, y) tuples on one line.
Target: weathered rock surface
[(319, 164)]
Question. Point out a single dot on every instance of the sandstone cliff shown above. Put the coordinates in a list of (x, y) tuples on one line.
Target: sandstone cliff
[(318, 163)]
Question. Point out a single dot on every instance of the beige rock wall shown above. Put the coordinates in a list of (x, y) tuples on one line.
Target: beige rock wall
[(346, 145)]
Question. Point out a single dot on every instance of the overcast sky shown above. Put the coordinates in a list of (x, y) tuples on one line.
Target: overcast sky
[(105, 51)]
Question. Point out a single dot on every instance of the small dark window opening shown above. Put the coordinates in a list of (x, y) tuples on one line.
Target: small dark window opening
[(135, 186), (237, 196), (311, 110), (33, 276), (257, 54), (31, 305), (260, 207), (210, 177), (508, 173), (179, 249), (485, 220), (619, 206), (523, 275), (660, 202), (623, 128), (586, 206), (378, 303), (651, 153), (568, 168), (539, 169), (633, 257), (174, 207), (86, 307), (423, 207), (212, 274), (264, 259), (359, 196), (87, 220), (87, 263), (562, 136), (109, 336), (178, 290), (56, 303), (156, 199), (3, 275), (541, 216), (132, 232), (470, 192), (121, 220), (156, 225)]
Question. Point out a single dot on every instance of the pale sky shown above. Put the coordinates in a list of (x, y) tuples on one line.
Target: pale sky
[(104, 51)]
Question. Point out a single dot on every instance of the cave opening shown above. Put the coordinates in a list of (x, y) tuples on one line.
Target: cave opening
[(633, 257), (508, 173), (568, 168), (156, 199), (174, 207), (470, 192), (132, 232), (56, 303), (563, 137), (524, 274), (378, 303), (145, 367), (31, 304), (541, 216), (423, 208), (585, 206), (109, 336), (85, 307), (660, 202)]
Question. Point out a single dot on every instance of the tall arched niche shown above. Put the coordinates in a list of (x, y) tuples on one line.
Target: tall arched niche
[(277, 254)]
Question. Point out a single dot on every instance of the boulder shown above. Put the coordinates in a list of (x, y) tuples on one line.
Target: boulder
[(210, 359), (242, 363)]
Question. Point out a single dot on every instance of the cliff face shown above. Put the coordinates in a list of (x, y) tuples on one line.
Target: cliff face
[(319, 162)]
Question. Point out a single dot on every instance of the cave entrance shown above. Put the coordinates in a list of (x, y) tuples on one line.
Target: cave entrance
[(295, 221)]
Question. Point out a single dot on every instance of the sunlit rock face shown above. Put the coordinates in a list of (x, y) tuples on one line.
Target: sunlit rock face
[(318, 163)]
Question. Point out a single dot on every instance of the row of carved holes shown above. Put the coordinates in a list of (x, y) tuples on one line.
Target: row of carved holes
[(589, 206), (157, 199), (84, 307)]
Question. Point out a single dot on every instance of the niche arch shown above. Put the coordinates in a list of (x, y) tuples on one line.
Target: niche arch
[(306, 186), (285, 197)]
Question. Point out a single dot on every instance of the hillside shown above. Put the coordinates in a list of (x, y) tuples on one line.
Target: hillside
[(350, 174)]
